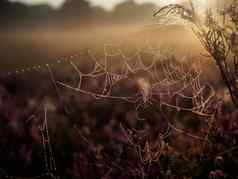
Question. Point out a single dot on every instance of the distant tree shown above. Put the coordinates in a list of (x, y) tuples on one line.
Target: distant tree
[(5, 7), (76, 6), (130, 11), (76, 10), (11, 13)]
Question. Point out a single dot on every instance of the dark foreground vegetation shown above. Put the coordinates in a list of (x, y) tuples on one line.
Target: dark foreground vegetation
[(104, 138)]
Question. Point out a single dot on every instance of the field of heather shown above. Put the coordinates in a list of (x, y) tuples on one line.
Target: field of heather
[(130, 108)]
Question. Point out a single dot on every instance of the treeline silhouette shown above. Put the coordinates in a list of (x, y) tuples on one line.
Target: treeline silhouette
[(73, 12)]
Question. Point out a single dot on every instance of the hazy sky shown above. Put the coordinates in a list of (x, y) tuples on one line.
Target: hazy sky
[(107, 4)]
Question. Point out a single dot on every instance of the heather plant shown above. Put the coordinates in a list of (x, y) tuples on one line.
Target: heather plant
[(217, 32)]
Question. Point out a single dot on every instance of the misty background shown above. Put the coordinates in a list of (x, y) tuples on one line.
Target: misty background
[(38, 34), (72, 13)]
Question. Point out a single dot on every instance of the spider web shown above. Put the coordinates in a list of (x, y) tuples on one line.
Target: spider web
[(49, 160), (158, 80), (162, 84)]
